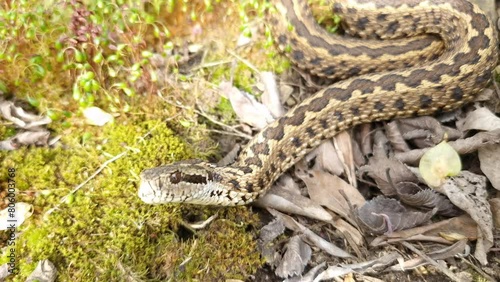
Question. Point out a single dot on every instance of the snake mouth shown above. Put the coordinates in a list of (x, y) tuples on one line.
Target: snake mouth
[(147, 193)]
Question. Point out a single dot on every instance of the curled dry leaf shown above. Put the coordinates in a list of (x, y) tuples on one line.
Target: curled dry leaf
[(425, 131), (416, 196), (480, 119), (267, 234), (468, 192), (246, 107), (45, 271), (489, 159), (443, 232), (295, 259), (343, 145), (378, 166), (382, 215), (271, 96), (395, 136), (330, 190), (325, 157), (289, 202)]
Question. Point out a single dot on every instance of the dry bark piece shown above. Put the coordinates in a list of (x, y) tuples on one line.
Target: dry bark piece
[(495, 211)]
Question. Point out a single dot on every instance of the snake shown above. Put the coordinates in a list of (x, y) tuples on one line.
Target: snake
[(395, 59)]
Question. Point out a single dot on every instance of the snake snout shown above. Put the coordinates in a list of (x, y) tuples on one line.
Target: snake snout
[(147, 193)]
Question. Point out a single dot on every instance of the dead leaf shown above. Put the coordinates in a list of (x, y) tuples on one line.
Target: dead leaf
[(434, 232), (468, 192), (284, 200), (325, 157), (295, 259), (267, 234), (395, 137), (480, 119), (343, 144), (382, 215), (271, 96), (489, 158), (495, 211), (272, 230), (326, 189), (416, 196), (425, 131), (246, 107), (379, 164)]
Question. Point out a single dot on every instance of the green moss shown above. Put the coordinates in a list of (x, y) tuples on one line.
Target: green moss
[(107, 225)]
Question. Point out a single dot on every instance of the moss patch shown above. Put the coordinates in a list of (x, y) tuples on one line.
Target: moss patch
[(104, 230)]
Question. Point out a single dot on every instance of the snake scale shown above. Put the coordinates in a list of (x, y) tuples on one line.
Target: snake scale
[(397, 59)]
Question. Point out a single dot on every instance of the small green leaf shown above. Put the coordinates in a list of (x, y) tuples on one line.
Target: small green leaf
[(33, 102), (70, 198), (98, 58), (52, 115), (79, 56)]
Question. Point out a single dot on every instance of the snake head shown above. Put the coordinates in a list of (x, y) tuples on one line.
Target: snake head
[(194, 182)]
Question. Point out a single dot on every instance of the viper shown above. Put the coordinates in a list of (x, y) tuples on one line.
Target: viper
[(396, 59)]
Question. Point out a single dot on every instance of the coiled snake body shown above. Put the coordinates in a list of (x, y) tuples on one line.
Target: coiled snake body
[(439, 55)]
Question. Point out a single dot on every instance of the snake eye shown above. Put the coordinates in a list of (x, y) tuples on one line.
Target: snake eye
[(175, 177)]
